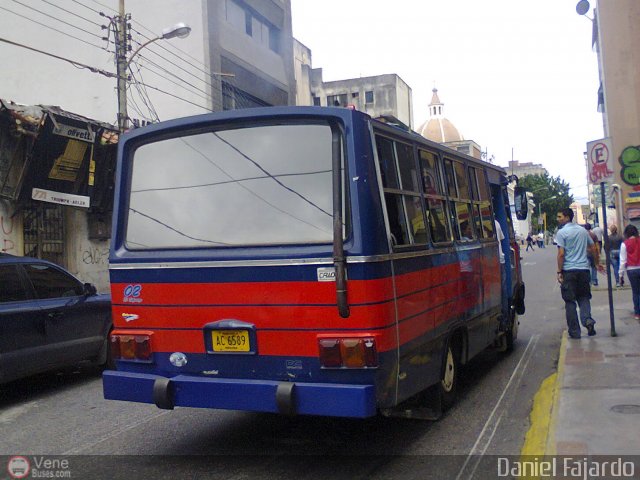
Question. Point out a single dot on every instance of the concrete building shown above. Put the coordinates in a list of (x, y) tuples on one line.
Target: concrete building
[(616, 39), (521, 169), (380, 95), (440, 129), (239, 54)]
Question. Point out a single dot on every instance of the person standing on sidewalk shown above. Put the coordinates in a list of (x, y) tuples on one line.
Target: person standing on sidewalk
[(613, 250), (574, 273), (630, 262)]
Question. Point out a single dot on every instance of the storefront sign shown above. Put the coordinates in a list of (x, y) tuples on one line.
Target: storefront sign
[(84, 134), (60, 198)]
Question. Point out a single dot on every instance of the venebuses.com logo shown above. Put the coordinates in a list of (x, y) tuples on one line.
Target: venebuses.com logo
[(18, 467)]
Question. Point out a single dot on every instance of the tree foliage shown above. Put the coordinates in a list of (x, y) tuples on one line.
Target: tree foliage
[(550, 194)]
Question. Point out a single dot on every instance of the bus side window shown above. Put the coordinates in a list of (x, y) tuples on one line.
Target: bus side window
[(405, 209), (460, 205), (480, 203), (437, 205), (485, 205)]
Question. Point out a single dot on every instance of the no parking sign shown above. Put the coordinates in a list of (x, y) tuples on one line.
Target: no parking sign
[(600, 160)]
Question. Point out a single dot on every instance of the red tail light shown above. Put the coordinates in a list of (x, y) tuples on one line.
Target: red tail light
[(348, 352), (131, 347), (143, 347), (330, 353)]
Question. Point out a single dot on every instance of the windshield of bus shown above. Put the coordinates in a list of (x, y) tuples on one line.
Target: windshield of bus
[(258, 185)]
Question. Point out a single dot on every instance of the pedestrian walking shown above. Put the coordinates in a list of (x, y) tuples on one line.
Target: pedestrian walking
[(597, 231), (630, 262), (540, 239), (574, 273), (529, 242), (612, 248), (592, 255)]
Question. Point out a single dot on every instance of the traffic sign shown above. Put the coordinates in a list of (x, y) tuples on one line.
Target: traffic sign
[(600, 160)]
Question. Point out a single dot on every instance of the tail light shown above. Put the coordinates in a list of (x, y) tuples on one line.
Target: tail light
[(348, 352), (131, 347)]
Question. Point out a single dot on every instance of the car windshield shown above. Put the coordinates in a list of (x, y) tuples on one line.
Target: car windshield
[(259, 185)]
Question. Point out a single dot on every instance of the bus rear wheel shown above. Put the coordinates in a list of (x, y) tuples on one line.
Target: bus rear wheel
[(448, 385)]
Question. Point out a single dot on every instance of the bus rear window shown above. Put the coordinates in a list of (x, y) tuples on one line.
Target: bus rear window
[(259, 185)]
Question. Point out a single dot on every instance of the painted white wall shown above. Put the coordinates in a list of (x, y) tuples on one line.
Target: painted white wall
[(32, 78), (11, 231)]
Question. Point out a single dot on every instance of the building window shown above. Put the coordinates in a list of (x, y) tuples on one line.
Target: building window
[(236, 15), (244, 20), (368, 96), (316, 101), (339, 100)]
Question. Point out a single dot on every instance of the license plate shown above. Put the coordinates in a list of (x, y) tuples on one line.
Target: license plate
[(230, 341)]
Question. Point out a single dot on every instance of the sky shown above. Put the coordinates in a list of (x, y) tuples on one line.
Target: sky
[(517, 76)]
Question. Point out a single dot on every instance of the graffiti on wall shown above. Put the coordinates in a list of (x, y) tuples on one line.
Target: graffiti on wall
[(630, 161), (95, 256), (6, 227)]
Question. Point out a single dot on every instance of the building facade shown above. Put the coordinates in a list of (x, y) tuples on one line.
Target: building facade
[(522, 169), (616, 39), (239, 54), (379, 96)]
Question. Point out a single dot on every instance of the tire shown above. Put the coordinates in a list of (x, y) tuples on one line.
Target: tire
[(105, 359), (448, 385)]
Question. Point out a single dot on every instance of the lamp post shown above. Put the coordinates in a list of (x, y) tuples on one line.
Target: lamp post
[(544, 228), (180, 30)]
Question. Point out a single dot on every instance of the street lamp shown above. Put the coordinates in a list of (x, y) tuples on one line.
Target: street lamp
[(179, 30), (544, 226)]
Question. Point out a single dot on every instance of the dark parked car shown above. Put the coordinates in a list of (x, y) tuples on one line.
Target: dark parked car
[(48, 319)]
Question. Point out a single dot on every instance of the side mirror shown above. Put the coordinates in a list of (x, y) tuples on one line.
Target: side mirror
[(521, 203), (90, 289)]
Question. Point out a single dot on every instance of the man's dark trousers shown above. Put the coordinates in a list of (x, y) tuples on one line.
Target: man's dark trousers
[(576, 293)]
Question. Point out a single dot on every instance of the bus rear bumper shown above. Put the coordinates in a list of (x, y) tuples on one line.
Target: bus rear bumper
[(327, 399)]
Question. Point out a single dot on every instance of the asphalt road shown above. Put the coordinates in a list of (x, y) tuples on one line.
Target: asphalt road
[(63, 415)]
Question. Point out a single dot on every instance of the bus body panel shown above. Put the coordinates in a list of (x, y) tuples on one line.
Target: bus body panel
[(408, 301)]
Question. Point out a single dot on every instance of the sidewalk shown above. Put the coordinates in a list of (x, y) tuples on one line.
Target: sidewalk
[(595, 408)]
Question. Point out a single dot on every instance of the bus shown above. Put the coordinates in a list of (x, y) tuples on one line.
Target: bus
[(304, 261)]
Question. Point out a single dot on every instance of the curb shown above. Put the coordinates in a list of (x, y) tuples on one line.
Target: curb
[(540, 438)]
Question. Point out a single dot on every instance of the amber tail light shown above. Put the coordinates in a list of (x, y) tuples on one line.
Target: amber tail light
[(130, 347), (348, 352)]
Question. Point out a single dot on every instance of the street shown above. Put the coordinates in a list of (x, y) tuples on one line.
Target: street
[(63, 414)]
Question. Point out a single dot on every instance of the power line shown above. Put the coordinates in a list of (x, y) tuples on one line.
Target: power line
[(104, 6), (87, 7), (72, 62), (72, 13), (174, 96), (59, 20), (175, 229), (52, 28), (207, 97), (259, 167)]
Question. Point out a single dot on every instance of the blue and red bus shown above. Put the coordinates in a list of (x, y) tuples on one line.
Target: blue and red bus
[(303, 260)]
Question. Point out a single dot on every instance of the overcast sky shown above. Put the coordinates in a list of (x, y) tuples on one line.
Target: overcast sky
[(514, 75)]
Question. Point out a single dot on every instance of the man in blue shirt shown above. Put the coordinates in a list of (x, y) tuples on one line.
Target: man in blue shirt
[(574, 272)]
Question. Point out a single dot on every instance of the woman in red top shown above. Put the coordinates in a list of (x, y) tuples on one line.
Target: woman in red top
[(630, 261)]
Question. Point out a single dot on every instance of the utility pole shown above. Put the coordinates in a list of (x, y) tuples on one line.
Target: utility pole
[(122, 48)]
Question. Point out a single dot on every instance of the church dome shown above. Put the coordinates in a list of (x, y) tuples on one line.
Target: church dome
[(438, 128)]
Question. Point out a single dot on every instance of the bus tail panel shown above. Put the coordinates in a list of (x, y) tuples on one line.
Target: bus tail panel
[(339, 400)]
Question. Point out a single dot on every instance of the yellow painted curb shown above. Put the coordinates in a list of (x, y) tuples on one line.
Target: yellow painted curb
[(540, 439)]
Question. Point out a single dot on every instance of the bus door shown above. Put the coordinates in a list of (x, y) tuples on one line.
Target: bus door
[(500, 211)]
